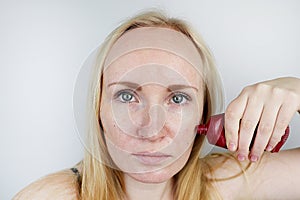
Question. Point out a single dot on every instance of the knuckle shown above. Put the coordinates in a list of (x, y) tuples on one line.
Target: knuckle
[(259, 145), (247, 89), (282, 124), (231, 135), (290, 95), (276, 91), (264, 129), (247, 125), (261, 87), (230, 116), (243, 150), (274, 140), (257, 150), (230, 131), (293, 97), (244, 144)]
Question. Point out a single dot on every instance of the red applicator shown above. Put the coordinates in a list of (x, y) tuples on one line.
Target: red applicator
[(215, 133)]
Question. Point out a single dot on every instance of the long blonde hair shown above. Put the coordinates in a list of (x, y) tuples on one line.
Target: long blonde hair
[(102, 182)]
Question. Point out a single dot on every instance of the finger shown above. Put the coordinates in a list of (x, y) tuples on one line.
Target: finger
[(233, 114), (248, 124), (264, 131), (284, 117)]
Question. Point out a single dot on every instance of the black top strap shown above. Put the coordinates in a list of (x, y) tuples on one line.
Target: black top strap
[(78, 175)]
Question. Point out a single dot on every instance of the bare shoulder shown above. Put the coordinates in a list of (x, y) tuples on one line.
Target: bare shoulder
[(275, 176), (229, 175), (59, 185)]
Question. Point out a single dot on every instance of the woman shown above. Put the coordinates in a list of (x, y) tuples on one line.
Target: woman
[(154, 83)]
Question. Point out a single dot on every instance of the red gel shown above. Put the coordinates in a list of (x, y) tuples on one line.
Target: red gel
[(215, 133)]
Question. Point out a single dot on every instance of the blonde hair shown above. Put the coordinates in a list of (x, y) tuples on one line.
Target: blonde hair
[(99, 181)]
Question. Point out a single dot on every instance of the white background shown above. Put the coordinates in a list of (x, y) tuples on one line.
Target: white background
[(44, 43)]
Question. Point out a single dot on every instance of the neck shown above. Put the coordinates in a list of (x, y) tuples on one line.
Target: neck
[(138, 190)]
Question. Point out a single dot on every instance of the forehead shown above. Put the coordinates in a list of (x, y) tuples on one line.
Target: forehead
[(152, 66)]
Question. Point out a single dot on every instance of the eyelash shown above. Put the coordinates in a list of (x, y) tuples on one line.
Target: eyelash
[(185, 96), (118, 96)]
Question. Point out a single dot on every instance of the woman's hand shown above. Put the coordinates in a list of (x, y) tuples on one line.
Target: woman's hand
[(270, 105)]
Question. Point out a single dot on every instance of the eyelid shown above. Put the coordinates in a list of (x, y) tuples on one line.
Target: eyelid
[(117, 94), (132, 92), (183, 94)]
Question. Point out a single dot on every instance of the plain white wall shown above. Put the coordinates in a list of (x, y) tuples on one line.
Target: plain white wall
[(44, 43)]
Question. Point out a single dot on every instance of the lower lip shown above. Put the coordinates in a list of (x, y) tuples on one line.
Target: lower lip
[(151, 160)]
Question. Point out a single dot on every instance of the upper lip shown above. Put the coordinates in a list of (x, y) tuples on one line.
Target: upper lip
[(151, 154)]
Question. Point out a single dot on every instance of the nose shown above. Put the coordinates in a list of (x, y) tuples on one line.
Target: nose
[(152, 122)]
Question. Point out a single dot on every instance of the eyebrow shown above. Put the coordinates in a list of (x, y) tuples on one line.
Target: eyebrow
[(139, 87)]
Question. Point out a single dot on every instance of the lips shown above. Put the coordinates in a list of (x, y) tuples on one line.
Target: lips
[(147, 158)]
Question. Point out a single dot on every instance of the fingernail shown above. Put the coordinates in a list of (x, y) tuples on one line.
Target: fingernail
[(241, 157), (253, 158), (269, 148), (231, 146)]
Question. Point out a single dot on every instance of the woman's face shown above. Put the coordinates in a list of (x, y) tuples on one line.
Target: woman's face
[(151, 103)]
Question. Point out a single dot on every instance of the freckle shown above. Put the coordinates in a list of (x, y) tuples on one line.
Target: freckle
[(169, 132)]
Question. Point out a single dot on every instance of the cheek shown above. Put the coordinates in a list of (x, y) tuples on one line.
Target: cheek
[(185, 126), (114, 130), (185, 120)]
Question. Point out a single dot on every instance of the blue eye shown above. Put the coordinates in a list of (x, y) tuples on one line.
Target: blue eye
[(125, 96), (179, 99)]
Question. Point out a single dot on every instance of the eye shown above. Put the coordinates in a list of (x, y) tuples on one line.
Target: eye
[(126, 96), (179, 98)]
